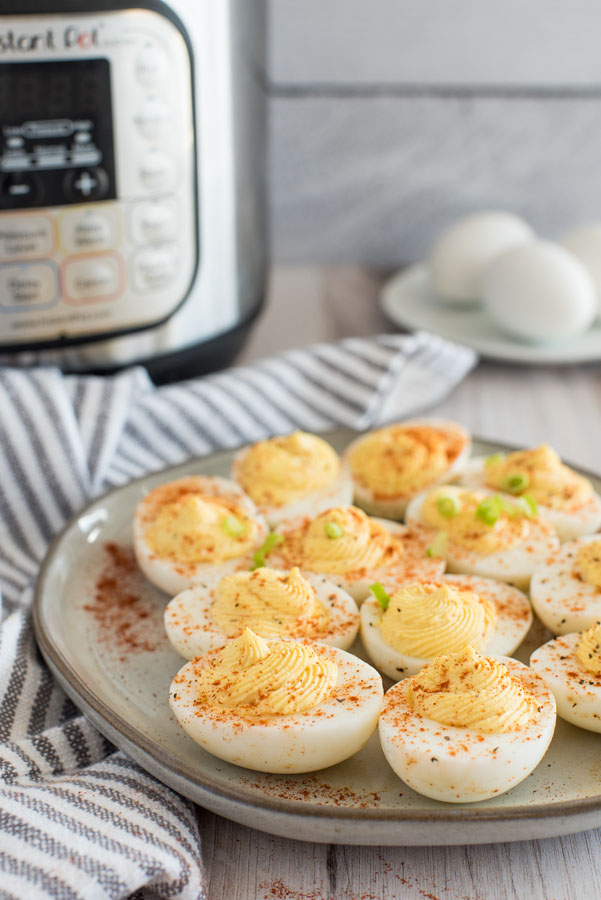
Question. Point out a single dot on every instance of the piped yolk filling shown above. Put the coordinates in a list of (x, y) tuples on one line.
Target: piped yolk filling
[(401, 459), (588, 651), (257, 678), (541, 473), (588, 563), (465, 527), (284, 469), (341, 540), (425, 620), (195, 529), (466, 690), (271, 603)]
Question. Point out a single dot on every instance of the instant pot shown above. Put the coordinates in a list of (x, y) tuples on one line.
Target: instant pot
[(132, 219)]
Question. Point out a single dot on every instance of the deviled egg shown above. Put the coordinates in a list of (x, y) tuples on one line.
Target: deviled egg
[(278, 706), (481, 533), (566, 590), (298, 474), (195, 529), (467, 727), (273, 604), (405, 630), (565, 498), (571, 666), (354, 550), (391, 465)]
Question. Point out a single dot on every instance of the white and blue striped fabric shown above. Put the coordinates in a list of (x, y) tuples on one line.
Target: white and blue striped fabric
[(79, 820)]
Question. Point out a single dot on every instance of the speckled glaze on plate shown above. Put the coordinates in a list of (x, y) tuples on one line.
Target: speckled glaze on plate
[(359, 801), (408, 301)]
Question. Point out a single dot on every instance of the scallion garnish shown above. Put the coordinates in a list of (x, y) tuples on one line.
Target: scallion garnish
[(333, 530), (271, 541), (448, 506), (494, 458), (438, 547), (528, 505), (515, 483), (380, 594), (233, 526), (489, 510)]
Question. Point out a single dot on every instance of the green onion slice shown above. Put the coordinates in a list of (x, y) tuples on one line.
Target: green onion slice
[(489, 510), (333, 530), (438, 547), (494, 458), (233, 526), (528, 505), (271, 541), (516, 482), (380, 594), (448, 506)]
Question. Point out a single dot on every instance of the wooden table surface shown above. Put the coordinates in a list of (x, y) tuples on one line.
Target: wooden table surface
[(515, 404)]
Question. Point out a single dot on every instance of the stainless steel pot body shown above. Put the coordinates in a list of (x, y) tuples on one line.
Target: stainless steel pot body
[(132, 200)]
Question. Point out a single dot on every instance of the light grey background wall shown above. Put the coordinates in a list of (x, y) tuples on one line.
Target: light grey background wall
[(391, 117)]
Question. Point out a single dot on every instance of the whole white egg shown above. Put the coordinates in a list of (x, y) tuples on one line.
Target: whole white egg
[(464, 250), (585, 243), (539, 292)]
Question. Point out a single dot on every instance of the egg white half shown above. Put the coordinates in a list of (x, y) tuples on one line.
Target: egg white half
[(575, 521), (460, 765), (514, 565), (513, 622), (394, 507), (576, 691), (561, 599), (333, 731), (173, 576), (192, 630)]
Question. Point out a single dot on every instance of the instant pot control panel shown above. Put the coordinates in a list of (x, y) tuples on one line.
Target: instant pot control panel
[(98, 181)]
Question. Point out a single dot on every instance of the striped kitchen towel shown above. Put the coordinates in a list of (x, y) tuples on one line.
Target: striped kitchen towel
[(78, 819)]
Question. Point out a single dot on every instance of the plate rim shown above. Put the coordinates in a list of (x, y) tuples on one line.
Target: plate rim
[(78, 690), (518, 354)]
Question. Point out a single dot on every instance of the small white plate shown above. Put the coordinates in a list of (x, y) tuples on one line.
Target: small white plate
[(408, 301)]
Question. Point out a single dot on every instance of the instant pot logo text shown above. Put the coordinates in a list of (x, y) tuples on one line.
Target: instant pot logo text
[(71, 37)]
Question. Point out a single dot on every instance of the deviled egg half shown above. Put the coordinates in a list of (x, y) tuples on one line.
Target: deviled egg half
[(481, 533), (353, 550), (403, 631), (195, 529), (278, 706), (565, 498), (273, 604), (566, 590), (391, 465), (467, 727), (298, 474), (571, 666)]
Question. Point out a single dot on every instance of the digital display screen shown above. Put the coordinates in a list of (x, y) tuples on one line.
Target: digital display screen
[(74, 89), (56, 124)]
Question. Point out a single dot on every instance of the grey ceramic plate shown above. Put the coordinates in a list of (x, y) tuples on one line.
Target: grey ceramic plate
[(409, 302), (115, 663)]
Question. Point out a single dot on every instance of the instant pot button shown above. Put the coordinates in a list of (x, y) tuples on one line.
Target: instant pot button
[(24, 237), (23, 287), (151, 66), (87, 231), (153, 222), (151, 117), (157, 171), (20, 190), (86, 184), (154, 268), (92, 279)]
